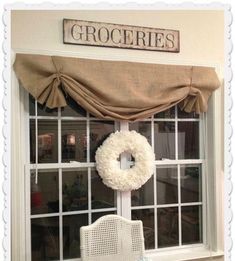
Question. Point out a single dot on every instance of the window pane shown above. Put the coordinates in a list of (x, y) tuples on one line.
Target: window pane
[(71, 234), (147, 217), (99, 131), (72, 109), (188, 140), (32, 141), (144, 195), (168, 230), (164, 140), (31, 105), (167, 185), (75, 190), (95, 216), (47, 141), (74, 141), (44, 194), (45, 238), (144, 128), (190, 179), (191, 224), (170, 113), (183, 114), (101, 195), (44, 111)]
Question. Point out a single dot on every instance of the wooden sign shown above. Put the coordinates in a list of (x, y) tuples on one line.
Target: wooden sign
[(120, 36)]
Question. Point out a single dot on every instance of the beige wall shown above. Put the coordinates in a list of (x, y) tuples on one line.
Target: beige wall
[(200, 32), (201, 35)]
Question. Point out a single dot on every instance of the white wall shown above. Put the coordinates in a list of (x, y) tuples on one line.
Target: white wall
[(201, 39)]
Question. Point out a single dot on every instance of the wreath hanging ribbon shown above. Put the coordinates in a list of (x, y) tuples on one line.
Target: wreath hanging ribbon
[(108, 166)]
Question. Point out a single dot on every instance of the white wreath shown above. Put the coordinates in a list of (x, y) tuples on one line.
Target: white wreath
[(108, 166)]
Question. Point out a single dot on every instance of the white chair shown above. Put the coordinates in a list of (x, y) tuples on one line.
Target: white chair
[(112, 238)]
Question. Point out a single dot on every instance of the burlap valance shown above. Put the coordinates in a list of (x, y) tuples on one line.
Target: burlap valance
[(115, 89)]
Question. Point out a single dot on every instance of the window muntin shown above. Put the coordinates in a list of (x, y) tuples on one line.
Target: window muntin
[(163, 204), (173, 197)]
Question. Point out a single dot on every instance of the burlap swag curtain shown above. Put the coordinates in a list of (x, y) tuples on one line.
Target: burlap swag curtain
[(115, 89)]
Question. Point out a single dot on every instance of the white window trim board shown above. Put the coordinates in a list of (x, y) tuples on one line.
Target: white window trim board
[(184, 254), (18, 141)]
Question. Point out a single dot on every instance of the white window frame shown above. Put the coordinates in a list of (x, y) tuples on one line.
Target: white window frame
[(123, 199), (58, 167), (214, 169)]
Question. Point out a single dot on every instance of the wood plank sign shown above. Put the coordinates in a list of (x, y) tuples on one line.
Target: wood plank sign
[(120, 36)]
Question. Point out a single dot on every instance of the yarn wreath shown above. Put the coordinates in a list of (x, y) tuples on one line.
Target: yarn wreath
[(108, 166)]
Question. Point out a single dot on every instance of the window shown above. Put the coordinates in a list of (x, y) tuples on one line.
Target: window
[(66, 192)]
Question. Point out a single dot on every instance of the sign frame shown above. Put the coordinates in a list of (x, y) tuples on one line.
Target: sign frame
[(68, 38)]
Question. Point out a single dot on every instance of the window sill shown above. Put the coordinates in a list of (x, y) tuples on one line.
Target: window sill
[(184, 254)]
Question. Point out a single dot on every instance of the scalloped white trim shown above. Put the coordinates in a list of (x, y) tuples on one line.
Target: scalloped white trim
[(108, 166), (228, 134), (122, 6)]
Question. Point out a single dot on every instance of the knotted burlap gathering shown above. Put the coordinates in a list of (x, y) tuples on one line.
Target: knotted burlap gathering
[(116, 90)]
